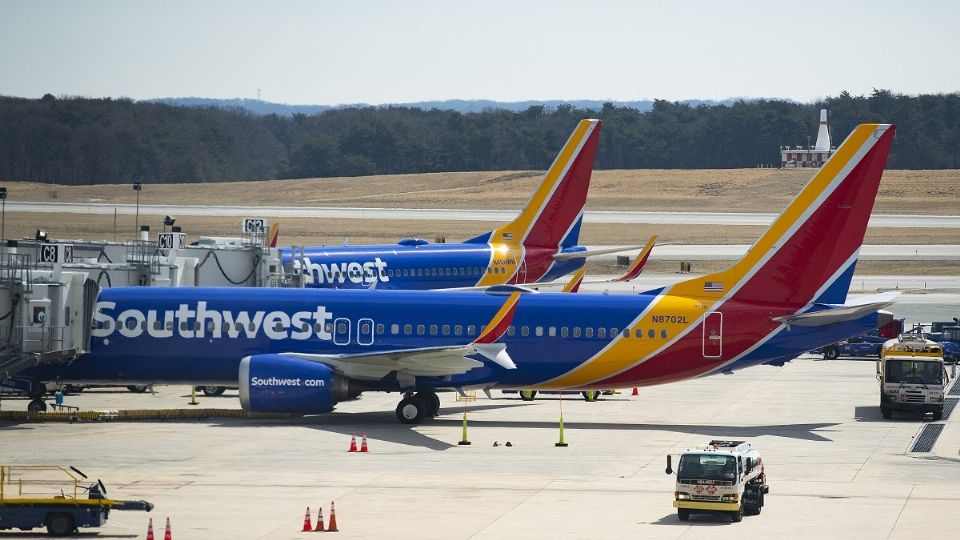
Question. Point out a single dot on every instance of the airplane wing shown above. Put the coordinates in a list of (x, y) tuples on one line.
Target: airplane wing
[(852, 310), (428, 361), (571, 255)]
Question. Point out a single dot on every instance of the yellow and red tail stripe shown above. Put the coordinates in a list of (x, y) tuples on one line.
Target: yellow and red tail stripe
[(639, 262), (573, 285), (815, 239), (501, 320)]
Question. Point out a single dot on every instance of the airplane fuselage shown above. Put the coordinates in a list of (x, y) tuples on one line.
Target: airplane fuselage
[(195, 336)]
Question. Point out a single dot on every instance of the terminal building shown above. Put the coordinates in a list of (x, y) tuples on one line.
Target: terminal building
[(792, 157)]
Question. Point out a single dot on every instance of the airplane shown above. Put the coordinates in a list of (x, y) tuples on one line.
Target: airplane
[(576, 280), (540, 245), (303, 351)]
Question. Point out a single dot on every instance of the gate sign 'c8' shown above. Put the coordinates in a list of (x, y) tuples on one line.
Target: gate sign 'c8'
[(254, 225), (48, 253)]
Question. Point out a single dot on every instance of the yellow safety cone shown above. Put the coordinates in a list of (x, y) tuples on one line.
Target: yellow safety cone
[(193, 396), (464, 441)]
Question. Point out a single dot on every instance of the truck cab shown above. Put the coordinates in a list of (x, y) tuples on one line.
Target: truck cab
[(912, 376), (722, 477)]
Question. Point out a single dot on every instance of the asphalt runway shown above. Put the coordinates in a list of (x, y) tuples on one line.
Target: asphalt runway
[(836, 469), (616, 217)]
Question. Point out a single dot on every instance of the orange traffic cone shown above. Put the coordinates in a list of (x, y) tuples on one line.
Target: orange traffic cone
[(306, 522), (333, 519), (635, 391), (150, 529), (319, 527), (363, 444), (167, 535), (353, 443)]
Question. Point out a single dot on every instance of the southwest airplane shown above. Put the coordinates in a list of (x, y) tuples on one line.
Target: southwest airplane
[(302, 351), (540, 245)]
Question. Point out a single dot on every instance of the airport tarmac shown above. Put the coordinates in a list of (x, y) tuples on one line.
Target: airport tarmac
[(836, 469)]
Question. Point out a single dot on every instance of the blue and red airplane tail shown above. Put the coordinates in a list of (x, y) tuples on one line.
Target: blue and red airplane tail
[(809, 252)]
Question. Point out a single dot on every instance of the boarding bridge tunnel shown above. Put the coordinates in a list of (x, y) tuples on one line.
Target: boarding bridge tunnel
[(46, 316)]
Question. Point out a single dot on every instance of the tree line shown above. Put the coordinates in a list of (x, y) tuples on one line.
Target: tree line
[(89, 141)]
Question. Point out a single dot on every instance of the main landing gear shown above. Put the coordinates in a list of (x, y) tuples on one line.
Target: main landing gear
[(413, 408)]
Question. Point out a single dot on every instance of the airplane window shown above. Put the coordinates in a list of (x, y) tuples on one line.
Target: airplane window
[(433, 271), (447, 271), (433, 329), (614, 332), (471, 330), (316, 328), (458, 330), (576, 331), (131, 324), (196, 326), (407, 329), (226, 326), (389, 273), (663, 334), (639, 332), (651, 333), (253, 327), (552, 331), (419, 272), (305, 327), (406, 272), (183, 326), (524, 331), (210, 326), (511, 330), (588, 331), (365, 328), (342, 328), (564, 332), (156, 325), (445, 330), (170, 325), (601, 332), (328, 327), (380, 329), (539, 331), (421, 329), (394, 329), (462, 271)]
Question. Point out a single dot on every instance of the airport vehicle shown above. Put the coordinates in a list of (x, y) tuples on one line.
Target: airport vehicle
[(54, 497), (950, 340), (912, 377), (303, 351), (721, 476), (868, 344), (540, 245)]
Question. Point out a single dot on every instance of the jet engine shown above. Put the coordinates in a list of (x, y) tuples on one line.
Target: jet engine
[(286, 384)]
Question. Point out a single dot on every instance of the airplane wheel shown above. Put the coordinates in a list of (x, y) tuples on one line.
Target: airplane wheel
[(528, 395), (432, 400), (831, 353), (591, 395), (138, 388), (213, 390), (411, 410), (37, 405)]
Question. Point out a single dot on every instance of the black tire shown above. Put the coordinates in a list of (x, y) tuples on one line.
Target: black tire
[(759, 502), (138, 388), (737, 515), (213, 391), (683, 514), (831, 353), (37, 405), (591, 395), (72, 389), (886, 413), (938, 415), (528, 395), (432, 400), (60, 524), (411, 410)]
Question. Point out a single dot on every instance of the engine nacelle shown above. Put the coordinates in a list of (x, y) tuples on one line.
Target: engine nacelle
[(285, 384)]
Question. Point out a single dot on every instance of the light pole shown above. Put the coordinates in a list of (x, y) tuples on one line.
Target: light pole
[(3, 213), (137, 186)]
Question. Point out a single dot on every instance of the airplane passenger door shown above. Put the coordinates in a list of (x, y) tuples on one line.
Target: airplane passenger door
[(365, 332), (341, 331), (713, 335)]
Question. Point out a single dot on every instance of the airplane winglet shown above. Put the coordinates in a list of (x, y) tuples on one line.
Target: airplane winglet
[(274, 234), (639, 262), (573, 285), (501, 321)]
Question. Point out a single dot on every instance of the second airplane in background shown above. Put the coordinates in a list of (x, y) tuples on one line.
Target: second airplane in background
[(540, 245)]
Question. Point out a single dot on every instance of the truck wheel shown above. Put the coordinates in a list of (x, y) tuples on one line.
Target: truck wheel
[(938, 415), (759, 502), (887, 414), (37, 405), (683, 513), (60, 524), (528, 395), (737, 515), (831, 353), (213, 390)]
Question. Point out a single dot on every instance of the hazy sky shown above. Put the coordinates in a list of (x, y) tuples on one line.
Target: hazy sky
[(317, 52)]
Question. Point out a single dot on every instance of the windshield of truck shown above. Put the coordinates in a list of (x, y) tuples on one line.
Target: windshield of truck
[(707, 467), (914, 372)]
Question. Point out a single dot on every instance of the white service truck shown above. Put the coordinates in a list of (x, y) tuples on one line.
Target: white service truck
[(722, 476), (912, 376)]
